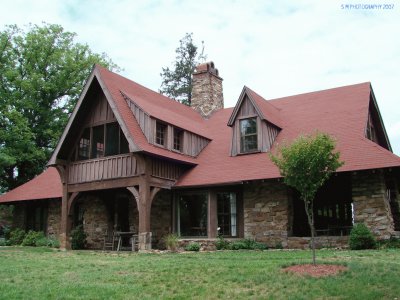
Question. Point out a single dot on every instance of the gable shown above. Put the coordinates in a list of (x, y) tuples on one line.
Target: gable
[(94, 107), (251, 109), (374, 128)]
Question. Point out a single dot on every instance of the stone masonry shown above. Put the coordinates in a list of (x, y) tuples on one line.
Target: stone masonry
[(266, 212), (371, 206), (54, 218), (207, 93), (95, 221), (160, 219)]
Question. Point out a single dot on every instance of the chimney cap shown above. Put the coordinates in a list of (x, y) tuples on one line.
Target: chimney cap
[(206, 67)]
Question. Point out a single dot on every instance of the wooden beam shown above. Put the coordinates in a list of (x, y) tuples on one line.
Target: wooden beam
[(104, 184)]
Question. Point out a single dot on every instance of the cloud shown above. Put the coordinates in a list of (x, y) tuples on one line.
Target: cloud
[(276, 48)]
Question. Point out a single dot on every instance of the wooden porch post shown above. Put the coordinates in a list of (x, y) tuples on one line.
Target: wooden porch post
[(144, 195)]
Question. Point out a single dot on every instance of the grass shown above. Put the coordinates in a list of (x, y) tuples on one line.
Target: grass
[(42, 273)]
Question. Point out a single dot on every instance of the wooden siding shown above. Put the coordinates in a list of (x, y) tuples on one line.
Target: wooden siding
[(246, 109), (266, 132), (100, 113), (118, 166), (166, 170), (192, 143)]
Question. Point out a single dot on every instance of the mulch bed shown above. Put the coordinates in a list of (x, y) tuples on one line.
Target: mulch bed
[(316, 271)]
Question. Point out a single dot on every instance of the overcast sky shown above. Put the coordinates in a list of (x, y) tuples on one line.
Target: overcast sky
[(277, 48)]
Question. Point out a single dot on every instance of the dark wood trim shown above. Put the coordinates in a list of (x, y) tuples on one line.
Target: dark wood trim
[(104, 184)]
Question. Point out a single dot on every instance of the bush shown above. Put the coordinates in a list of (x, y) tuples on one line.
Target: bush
[(193, 247), (361, 238), (221, 244), (47, 242), (17, 235), (392, 243), (78, 238), (31, 237), (171, 241)]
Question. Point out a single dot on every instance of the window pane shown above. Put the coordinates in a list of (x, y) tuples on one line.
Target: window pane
[(84, 145), (98, 142), (192, 215), (178, 136), (123, 143), (248, 126), (226, 211), (248, 135), (161, 133), (112, 131)]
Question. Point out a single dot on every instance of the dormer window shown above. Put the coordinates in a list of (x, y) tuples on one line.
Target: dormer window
[(248, 135), (178, 139), (161, 134)]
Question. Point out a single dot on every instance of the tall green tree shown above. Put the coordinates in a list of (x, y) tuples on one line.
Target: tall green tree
[(42, 72), (306, 165), (177, 81)]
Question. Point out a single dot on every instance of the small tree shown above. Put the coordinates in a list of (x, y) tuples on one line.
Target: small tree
[(177, 82), (306, 165)]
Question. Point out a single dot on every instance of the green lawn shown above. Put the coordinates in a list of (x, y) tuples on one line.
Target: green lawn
[(41, 273)]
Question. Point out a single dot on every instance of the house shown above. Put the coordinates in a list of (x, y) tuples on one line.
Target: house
[(134, 160)]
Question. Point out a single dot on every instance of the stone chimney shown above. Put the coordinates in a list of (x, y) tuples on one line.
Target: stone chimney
[(207, 95)]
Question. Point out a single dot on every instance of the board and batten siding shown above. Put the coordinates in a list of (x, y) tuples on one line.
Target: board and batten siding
[(111, 167), (101, 112), (166, 170), (192, 143), (266, 132)]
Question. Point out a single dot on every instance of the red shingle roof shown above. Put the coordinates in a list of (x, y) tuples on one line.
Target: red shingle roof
[(44, 186), (341, 112)]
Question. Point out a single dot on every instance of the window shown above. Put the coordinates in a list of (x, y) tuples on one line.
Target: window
[(97, 142), (248, 135), (227, 214), (191, 215), (178, 137), (100, 141), (36, 216), (112, 139), (84, 145), (161, 133)]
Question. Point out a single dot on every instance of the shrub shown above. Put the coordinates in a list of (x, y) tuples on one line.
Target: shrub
[(47, 242), (78, 238), (237, 245), (171, 241), (221, 244), (361, 238), (31, 237), (392, 243), (17, 235), (193, 247)]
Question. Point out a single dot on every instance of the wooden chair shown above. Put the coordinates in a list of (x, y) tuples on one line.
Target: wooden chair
[(109, 240)]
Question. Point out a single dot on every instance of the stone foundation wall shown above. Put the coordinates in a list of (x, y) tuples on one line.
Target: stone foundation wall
[(370, 204), (266, 212), (161, 218), (54, 218), (320, 242)]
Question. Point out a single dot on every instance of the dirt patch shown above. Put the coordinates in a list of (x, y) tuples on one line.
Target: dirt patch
[(315, 271)]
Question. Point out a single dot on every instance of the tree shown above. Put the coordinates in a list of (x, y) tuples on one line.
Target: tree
[(42, 71), (177, 82), (306, 165)]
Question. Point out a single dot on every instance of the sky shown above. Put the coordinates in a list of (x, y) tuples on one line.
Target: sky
[(277, 48)]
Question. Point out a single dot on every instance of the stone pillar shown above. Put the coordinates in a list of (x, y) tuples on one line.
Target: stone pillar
[(266, 212), (207, 94), (371, 206)]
